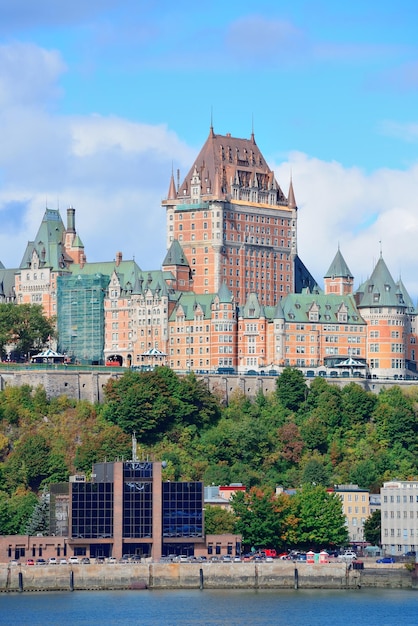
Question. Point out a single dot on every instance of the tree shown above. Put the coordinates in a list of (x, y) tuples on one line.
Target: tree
[(25, 327), (15, 511), (291, 388), (261, 518), (373, 528), (218, 520), (322, 522), (39, 520)]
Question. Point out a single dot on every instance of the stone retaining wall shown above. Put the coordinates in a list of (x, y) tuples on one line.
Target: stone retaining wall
[(275, 575)]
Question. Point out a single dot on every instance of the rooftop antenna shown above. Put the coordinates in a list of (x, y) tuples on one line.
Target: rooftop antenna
[(380, 244), (134, 448)]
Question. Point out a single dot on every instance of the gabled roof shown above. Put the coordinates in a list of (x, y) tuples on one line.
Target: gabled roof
[(175, 255), (298, 306), (380, 289), (224, 294), (189, 301), (252, 309), (48, 244), (338, 268), (225, 162)]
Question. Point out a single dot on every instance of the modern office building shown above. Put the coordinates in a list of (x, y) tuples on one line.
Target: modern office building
[(399, 510), (128, 509)]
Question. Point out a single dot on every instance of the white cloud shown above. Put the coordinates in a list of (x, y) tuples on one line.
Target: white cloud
[(361, 213), (28, 74)]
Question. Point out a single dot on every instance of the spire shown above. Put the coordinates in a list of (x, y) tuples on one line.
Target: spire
[(291, 198), (172, 193)]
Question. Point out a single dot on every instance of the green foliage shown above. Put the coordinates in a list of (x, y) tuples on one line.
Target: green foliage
[(372, 528), (39, 520), (152, 403), (15, 511), (291, 388), (218, 520), (260, 518), (322, 522), (25, 327)]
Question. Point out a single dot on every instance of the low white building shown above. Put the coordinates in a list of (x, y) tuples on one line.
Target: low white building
[(399, 502)]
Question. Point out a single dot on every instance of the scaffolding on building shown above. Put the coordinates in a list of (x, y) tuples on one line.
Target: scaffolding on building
[(80, 313)]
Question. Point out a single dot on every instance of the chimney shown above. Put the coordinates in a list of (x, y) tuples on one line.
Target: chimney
[(118, 258), (71, 220)]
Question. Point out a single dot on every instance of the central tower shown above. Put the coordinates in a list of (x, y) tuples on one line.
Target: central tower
[(234, 223)]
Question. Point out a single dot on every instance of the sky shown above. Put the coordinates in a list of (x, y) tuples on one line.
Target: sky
[(101, 100)]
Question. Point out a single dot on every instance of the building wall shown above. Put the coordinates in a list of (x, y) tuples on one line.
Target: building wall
[(355, 504), (399, 510)]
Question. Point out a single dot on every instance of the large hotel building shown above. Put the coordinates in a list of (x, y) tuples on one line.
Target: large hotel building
[(232, 294)]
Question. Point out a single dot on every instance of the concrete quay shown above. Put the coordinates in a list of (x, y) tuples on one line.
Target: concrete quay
[(271, 575)]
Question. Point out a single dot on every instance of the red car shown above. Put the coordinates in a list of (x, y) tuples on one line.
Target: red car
[(30, 562)]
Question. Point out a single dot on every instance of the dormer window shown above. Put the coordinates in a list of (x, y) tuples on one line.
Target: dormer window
[(376, 297)]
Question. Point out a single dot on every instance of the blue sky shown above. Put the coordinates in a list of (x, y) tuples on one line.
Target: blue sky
[(100, 99)]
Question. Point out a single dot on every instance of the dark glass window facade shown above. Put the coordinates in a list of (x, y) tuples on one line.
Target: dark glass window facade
[(137, 509), (137, 499), (183, 509), (92, 510)]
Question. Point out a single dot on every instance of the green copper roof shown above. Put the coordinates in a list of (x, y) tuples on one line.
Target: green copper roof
[(49, 243), (406, 297), (175, 255), (380, 289), (224, 294), (338, 267), (252, 308), (298, 307), (189, 301)]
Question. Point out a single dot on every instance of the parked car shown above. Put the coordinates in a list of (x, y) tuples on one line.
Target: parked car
[(73, 560), (52, 561), (112, 559), (386, 559), (13, 562), (63, 562), (99, 559), (348, 555), (85, 560), (226, 559), (30, 562), (40, 562)]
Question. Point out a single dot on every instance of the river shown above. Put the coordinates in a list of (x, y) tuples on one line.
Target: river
[(383, 607)]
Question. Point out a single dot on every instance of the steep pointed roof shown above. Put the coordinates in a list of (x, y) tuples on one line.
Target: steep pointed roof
[(224, 294), (175, 255), (338, 267), (406, 297), (291, 197), (252, 309), (48, 243), (172, 193), (380, 289), (225, 161), (303, 277)]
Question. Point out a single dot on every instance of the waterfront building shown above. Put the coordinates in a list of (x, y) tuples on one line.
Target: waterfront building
[(355, 505), (399, 511)]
